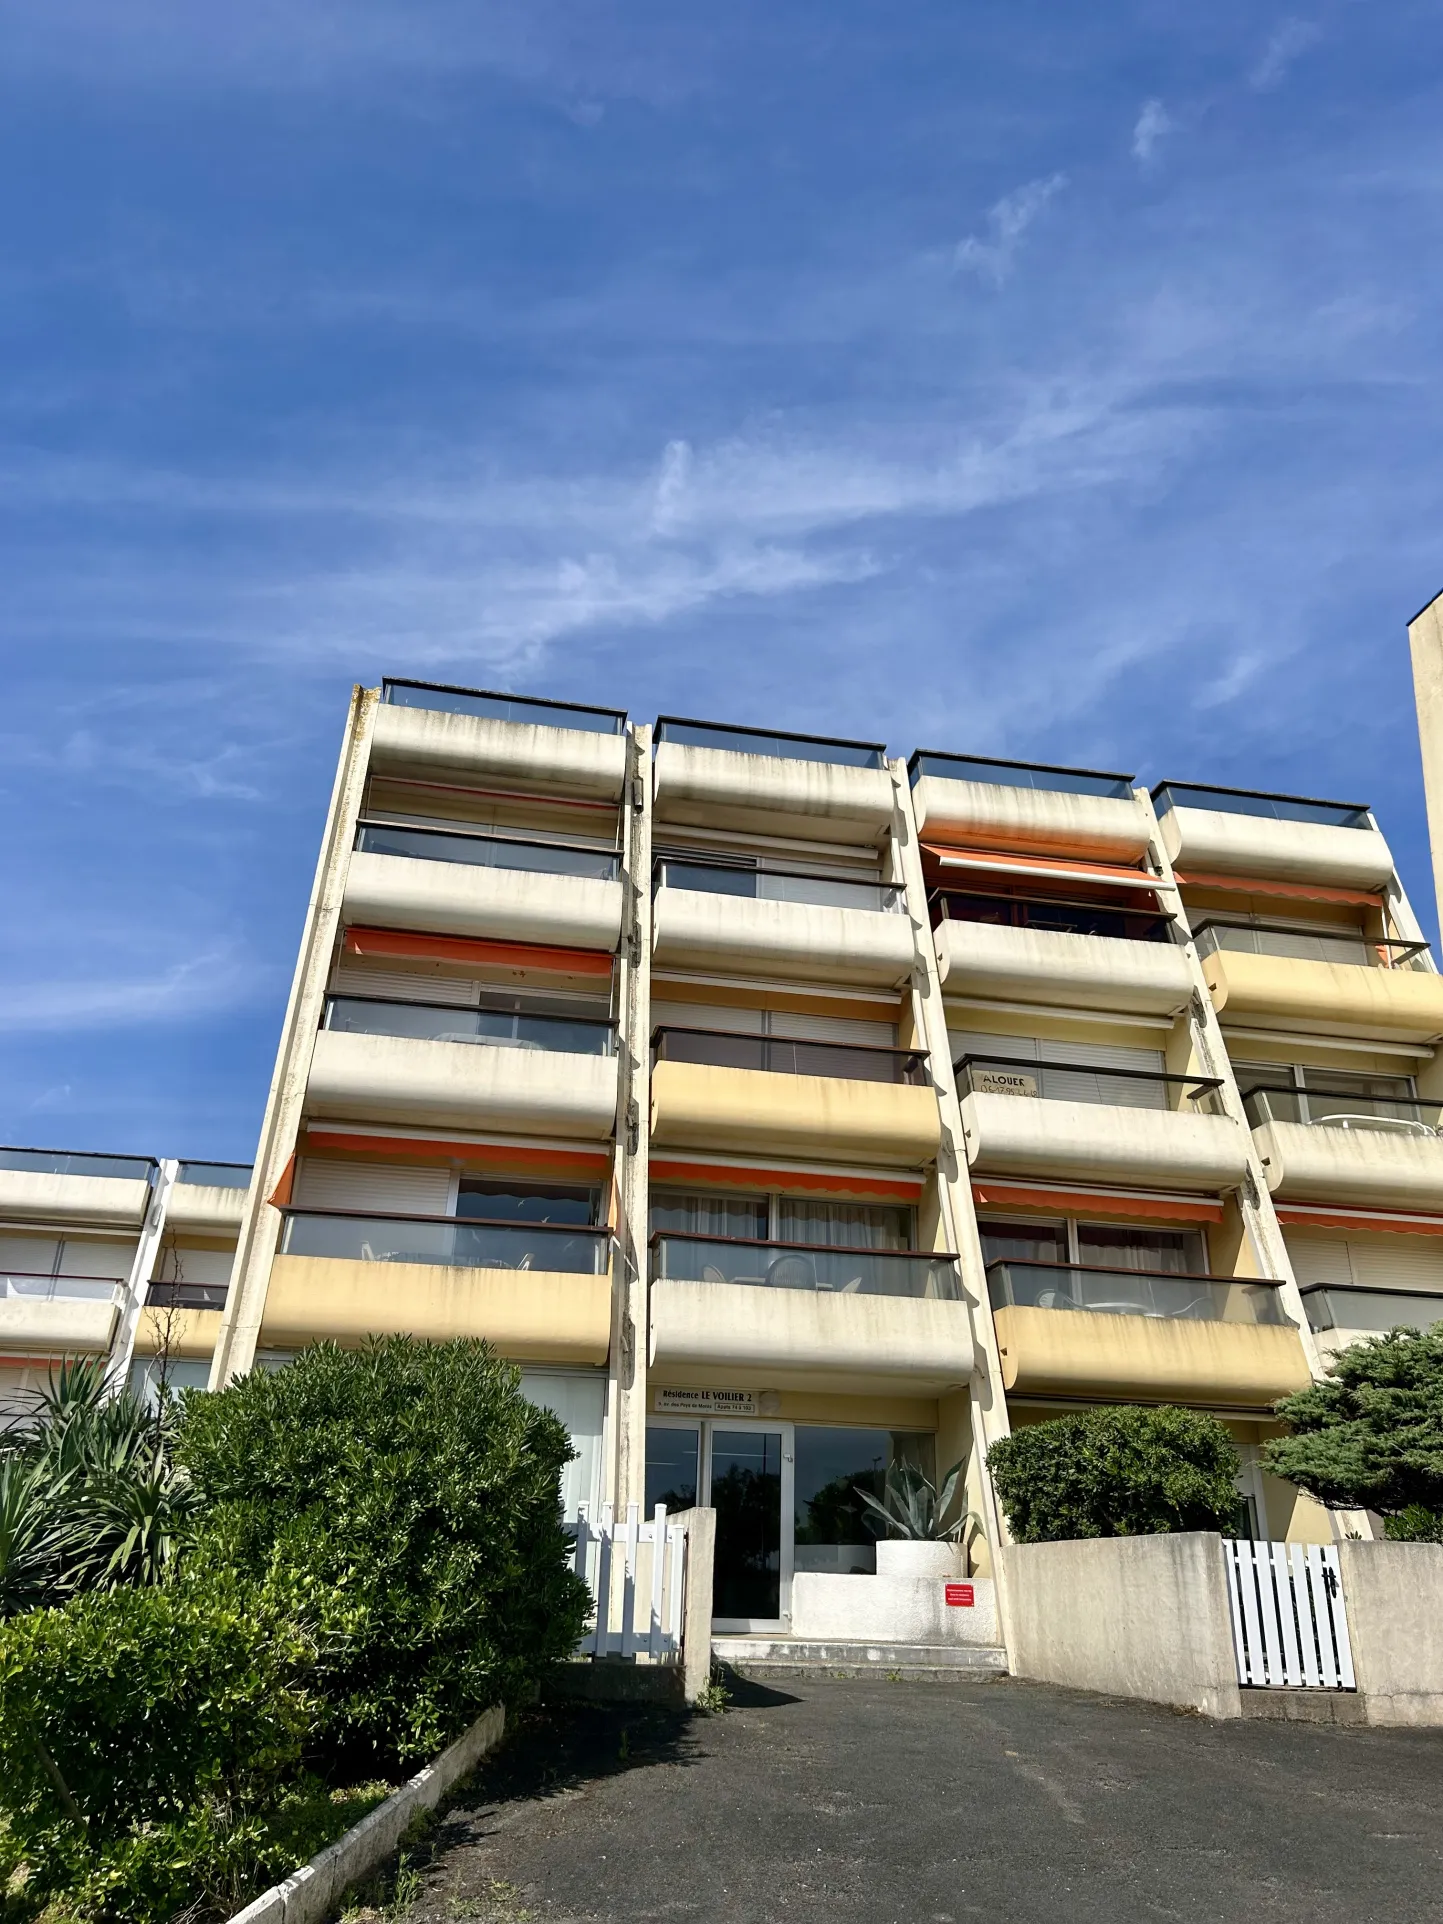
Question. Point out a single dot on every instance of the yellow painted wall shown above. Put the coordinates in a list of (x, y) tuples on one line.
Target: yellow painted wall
[(1143, 1358), (190, 1333), (530, 1315), (1402, 1003), (700, 1106)]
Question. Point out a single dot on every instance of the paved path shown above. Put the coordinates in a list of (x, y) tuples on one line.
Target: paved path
[(862, 1802)]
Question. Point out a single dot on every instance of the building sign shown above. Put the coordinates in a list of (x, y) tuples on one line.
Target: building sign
[(706, 1402), (1002, 1082), (961, 1595)]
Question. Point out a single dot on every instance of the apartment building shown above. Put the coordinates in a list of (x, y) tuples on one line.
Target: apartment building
[(786, 1112), (125, 1257)]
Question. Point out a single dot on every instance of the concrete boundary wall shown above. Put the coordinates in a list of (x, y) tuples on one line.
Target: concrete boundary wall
[(1393, 1593), (1132, 1616), (308, 1894)]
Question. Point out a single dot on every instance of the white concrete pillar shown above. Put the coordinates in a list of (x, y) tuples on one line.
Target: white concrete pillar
[(1425, 644)]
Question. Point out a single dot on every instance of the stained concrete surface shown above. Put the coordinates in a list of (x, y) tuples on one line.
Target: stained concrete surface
[(837, 1801)]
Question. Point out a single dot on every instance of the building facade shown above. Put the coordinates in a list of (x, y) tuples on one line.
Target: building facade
[(786, 1112)]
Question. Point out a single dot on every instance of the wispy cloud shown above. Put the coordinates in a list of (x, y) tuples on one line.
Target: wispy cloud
[(1287, 41), (1152, 124), (205, 985), (992, 257)]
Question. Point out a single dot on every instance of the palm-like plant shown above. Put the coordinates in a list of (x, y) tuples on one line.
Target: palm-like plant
[(912, 1507)]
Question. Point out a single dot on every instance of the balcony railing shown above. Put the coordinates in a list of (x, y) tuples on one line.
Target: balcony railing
[(769, 741), (1083, 1082), (28, 1287), (65, 1162), (1342, 1109), (1044, 913), (1307, 945), (440, 1022), (814, 1266), (1374, 1311), (449, 1242), (180, 1295), (781, 1055), (778, 885), (1132, 1292), (216, 1175), (1003, 774), (488, 851), (518, 708), (1251, 801)]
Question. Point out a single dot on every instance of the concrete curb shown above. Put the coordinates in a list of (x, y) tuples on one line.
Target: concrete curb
[(309, 1893)]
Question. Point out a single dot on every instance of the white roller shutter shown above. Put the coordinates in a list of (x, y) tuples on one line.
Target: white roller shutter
[(386, 1189), (29, 1255), (1077, 1085), (406, 985), (79, 1257), (706, 1015), (1319, 1259), (833, 1028), (1382, 1262)]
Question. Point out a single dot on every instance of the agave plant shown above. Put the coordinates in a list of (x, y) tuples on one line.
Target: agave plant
[(912, 1507)]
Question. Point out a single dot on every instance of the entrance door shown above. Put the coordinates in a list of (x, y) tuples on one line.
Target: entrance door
[(743, 1470)]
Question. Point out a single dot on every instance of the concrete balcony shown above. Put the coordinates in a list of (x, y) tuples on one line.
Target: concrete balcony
[(1095, 1142), (701, 1105), (398, 1078), (214, 1208), (68, 1193), (1107, 1358), (1107, 824), (779, 1316), (529, 1315), (1204, 841), (750, 789), (188, 1333), (57, 1315), (454, 898), (540, 759), (1047, 966), (812, 942), (1366, 1164), (1324, 998)]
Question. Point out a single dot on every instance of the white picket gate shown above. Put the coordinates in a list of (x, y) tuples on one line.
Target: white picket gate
[(1289, 1624), (619, 1628)]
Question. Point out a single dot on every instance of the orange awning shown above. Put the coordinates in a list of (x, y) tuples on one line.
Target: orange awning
[(478, 949), (1054, 867), (818, 1182), (502, 1158), (1129, 1206), (1319, 1216), (1289, 891)]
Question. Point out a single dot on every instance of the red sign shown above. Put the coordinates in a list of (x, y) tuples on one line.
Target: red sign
[(961, 1594)]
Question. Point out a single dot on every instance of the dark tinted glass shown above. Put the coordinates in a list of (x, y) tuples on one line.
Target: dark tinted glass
[(748, 741), (517, 708), (671, 1468), (746, 1493), (509, 1203), (1060, 781)]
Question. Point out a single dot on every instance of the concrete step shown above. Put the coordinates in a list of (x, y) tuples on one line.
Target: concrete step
[(764, 1657)]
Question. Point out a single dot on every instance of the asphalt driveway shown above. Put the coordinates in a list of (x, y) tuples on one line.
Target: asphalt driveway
[(836, 1801)]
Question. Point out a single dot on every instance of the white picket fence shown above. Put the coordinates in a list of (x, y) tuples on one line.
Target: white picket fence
[(1289, 1625), (636, 1573)]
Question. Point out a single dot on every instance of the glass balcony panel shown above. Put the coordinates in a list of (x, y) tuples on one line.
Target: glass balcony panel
[(1343, 1109), (757, 741), (49, 1289), (1057, 781), (1274, 808), (843, 1272), (1024, 1076), (216, 1175), (61, 1162), (780, 1055), (501, 1029), (1132, 1292), (483, 851), (1056, 917), (445, 1241), (187, 1295), (517, 708), (766, 885), (1374, 1311)]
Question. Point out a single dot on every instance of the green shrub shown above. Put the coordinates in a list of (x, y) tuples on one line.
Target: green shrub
[(401, 1503), (1370, 1436), (1116, 1473), (143, 1732)]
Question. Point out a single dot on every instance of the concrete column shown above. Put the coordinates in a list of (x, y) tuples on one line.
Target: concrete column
[(986, 1397), (630, 1324), (137, 1287), (1425, 644), (261, 1224)]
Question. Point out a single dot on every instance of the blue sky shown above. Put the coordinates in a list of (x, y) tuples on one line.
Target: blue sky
[(1020, 378)]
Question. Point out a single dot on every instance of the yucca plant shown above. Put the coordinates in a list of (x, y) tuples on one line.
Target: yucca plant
[(912, 1507)]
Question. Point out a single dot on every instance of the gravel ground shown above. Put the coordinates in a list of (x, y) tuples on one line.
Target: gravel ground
[(904, 1803)]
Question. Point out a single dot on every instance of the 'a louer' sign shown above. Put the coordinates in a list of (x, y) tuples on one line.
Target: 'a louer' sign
[(1003, 1082)]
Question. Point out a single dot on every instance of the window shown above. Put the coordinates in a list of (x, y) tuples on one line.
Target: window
[(835, 1531), (783, 1219), (737, 1218), (1172, 1252), (510, 1202), (673, 1458)]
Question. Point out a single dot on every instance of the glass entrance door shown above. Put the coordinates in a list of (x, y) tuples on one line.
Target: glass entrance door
[(749, 1582)]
